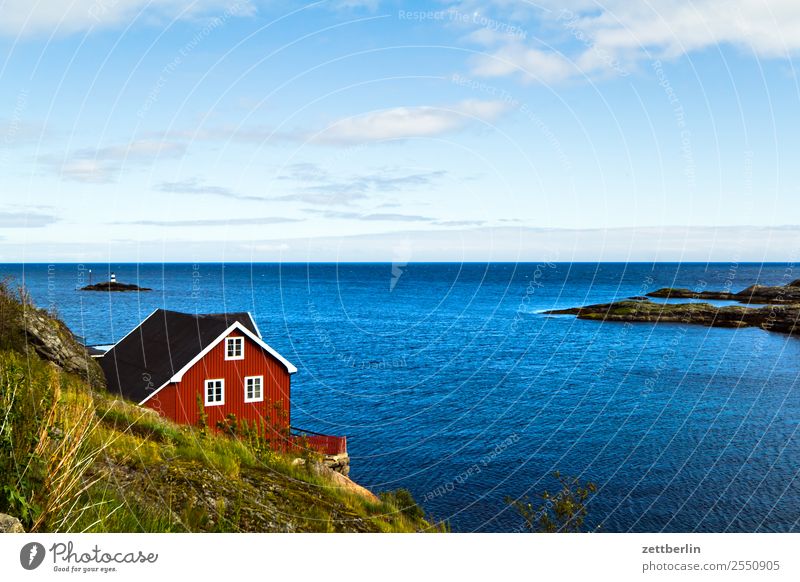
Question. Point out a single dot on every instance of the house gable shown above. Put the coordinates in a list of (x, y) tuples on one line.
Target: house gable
[(183, 398), (253, 346), (167, 343)]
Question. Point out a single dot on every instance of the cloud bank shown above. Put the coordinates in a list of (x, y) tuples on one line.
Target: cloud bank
[(577, 38), (21, 18)]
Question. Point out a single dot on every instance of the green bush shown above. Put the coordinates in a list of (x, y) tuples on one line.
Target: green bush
[(404, 502), (561, 512)]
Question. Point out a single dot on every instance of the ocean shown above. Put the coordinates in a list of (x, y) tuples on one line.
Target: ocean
[(449, 381)]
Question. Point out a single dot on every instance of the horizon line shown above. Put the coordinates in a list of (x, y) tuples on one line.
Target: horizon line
[(389, 262)]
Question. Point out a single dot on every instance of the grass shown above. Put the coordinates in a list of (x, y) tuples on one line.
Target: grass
[(74, 461), (80, 461), (45, 446), (73, 458)]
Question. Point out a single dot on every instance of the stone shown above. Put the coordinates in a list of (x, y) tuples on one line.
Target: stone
[(10, 524), (54, 342)]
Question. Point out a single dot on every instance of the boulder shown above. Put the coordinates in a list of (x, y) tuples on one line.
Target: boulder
[(10, 524)]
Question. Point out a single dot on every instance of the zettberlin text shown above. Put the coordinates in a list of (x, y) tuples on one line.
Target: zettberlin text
[(665, 549)]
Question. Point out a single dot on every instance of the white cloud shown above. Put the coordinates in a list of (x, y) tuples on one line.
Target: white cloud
[(257, 221), (767, 27), (410, 122), (32, 17), (143, 149), (374, 126), (613, 37), (87, 171), (103, 165), (318, 186), (531, 63), (198, 187), (371, 217), (16, 219)]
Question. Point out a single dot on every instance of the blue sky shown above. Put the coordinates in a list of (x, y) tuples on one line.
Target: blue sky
[(370, 130)]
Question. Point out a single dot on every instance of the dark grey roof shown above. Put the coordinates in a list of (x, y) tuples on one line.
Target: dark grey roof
[(162, 345)]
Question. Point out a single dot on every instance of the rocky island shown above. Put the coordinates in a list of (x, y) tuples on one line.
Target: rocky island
[(758, 294), (114, 285), (781, 314)]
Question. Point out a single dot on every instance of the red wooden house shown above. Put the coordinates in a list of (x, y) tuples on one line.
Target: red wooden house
[(182, 365)]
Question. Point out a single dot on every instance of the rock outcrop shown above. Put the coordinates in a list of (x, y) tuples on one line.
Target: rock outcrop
[(54, 342), (779, 318), (758, 294), (114, 286), (338, 463)]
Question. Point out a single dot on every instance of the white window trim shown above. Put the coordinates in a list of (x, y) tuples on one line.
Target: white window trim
[(227, 343), (260, 398), (205, 391)]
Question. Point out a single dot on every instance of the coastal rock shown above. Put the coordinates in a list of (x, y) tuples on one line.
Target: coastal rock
[(10, 524), (54, 342), (779, 318), (681, 293), (338, 463), (114, 286), (758, 294)]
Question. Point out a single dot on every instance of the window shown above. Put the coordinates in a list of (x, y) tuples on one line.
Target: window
[(234, 348), (253, 388), (215, 392)]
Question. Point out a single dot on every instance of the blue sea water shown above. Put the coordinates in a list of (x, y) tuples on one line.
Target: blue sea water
[(449, 381)]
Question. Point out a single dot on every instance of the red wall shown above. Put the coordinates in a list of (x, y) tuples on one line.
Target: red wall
[(179, 401)]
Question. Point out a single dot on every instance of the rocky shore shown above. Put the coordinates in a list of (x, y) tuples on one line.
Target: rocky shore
[(758, 294), (781, 314)]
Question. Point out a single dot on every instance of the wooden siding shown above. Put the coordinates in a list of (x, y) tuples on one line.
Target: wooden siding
[(321, 443), (179, 401), (163, 402)]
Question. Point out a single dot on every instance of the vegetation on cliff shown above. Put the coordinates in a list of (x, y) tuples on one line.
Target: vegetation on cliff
[(74, 458)]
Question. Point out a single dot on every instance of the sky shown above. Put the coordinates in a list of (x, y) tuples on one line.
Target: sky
[(372, 130)]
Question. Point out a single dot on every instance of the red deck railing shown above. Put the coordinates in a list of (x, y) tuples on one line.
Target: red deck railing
[(320, 443)]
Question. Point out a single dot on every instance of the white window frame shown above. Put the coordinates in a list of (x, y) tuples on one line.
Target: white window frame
[(260, 397), (205, 391), (228, 341)]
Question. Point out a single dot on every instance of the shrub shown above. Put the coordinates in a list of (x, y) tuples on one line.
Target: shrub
[(404, 502), (563, 512)]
